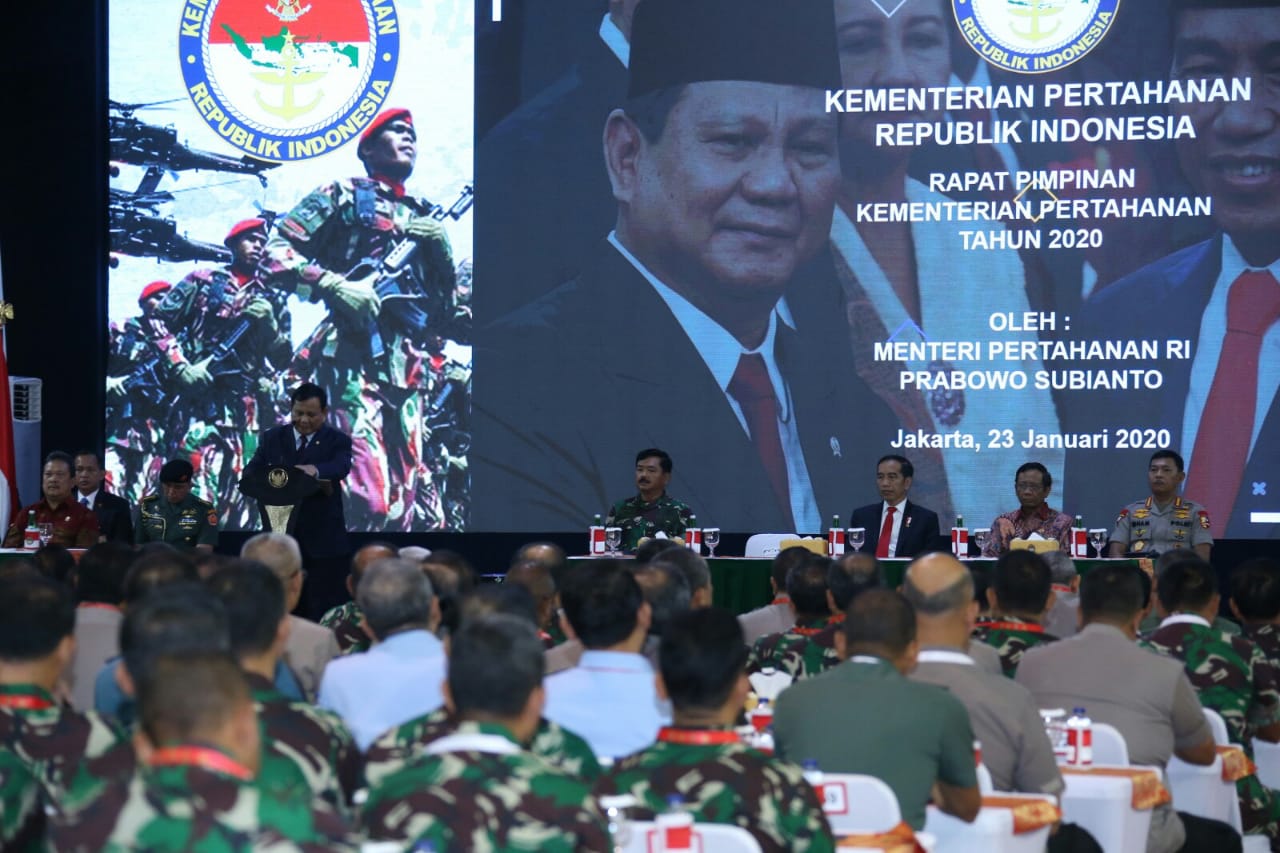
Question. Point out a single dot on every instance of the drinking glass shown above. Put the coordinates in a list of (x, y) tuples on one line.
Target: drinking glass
[(856, 537), (612, 539), (711, 538), (980, 537), (1098, 538), (46, 533)]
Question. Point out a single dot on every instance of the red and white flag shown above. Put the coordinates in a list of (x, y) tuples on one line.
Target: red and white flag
[(8, 466)]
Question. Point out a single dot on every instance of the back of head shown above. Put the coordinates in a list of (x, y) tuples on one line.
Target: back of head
[(1062, 569), (938, 585), (497, 598), (1022, 582), (651, 548), (600, 599), (177, 619), (1187, 584), (460, 576), (495, 663), (533, 576), (254, 600), (1255, 589), (807, 586), (56, 563), (786, 560), (393, 595), (666, 590), (36, 614), (279, 552), (850, 576), (101, 573), (190, 698), (548, 554), (368, 554), (879, 622), (1111, 594), (157, 568), (691, 565), (702, 656)]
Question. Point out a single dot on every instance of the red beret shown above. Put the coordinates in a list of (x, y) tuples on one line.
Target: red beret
[(241, 227), (383, 118), (152, 289)]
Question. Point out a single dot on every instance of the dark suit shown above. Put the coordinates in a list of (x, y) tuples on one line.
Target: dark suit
[(115, 516), (918, 534), (321, 527), (578, 381), (1164, 300)]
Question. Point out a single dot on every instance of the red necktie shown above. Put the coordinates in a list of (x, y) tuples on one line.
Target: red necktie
[(882, 545), (752, 389), (1226, 425)]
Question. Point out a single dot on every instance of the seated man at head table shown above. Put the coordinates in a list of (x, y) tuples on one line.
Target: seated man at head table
[(895, 526), (174, 515), (1146, 697), (651, 510), (1032, 483), (73, 525), (1165, 521)]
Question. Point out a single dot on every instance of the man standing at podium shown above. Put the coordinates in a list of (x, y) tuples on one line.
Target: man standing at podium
[(310, 445)]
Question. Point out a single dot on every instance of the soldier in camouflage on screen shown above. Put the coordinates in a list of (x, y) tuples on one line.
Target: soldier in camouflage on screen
[(807, 648), (195, 788), (229, 345), (375, 349), (43, 745), (478, 788), (1019, 597), (701, 758), (1231, 675), (314, 743)]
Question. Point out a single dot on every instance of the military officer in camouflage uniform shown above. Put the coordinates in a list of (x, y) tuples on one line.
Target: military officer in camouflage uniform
[(1165, 521), (1231, 675), (1019, 597), (43, 744), (700, 757), (807, 648), (478, 788), (230, 341), (330, 248), (195, 787), (314, 743), (345, 620), (174, 515), (1255, 601), (651, 509)]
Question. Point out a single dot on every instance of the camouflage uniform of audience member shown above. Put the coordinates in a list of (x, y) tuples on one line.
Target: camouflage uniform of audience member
[(42, 750), (380, 400), (806, 650), (344, 620), (724, 781), (314, 741), (485, 800), (1232, 676), (1011, 638), (554, 744), (1267, 638), (204, 800), (221, 412), (640, 520)]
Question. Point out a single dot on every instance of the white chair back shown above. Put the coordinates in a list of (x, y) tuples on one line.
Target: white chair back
[(768, 683), (991, 832), (1109, 746), (707, 838), (1267, 757), (857, 803), (1219, 726), (766, 544)]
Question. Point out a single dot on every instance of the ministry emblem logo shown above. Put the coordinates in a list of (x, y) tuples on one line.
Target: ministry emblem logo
[(1034, 36)]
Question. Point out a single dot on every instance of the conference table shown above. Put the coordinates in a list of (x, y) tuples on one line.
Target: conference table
[(742, 583)]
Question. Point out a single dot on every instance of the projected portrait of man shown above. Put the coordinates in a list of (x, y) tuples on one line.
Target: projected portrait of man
[(696, 326), (1221, 295), (913, 282)]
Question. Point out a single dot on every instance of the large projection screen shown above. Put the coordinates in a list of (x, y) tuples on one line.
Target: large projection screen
[(1010, 231)]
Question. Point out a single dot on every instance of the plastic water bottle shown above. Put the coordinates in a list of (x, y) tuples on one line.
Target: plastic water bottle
[(675, 826), (31, 536), (1079, 739), (762, 716), (595, 535), (813, 775)]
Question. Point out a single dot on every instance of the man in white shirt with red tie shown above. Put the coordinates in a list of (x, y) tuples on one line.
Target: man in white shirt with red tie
[(895, 526)]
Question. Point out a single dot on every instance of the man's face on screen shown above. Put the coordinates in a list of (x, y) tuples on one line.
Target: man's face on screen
[(393, 151), (909, 49), (738, 190), (1235, 155)]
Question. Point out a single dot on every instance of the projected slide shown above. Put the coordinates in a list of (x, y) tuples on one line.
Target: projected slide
[(273, 166)]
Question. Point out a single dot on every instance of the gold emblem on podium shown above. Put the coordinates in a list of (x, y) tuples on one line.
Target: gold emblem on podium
[(277, 478)]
